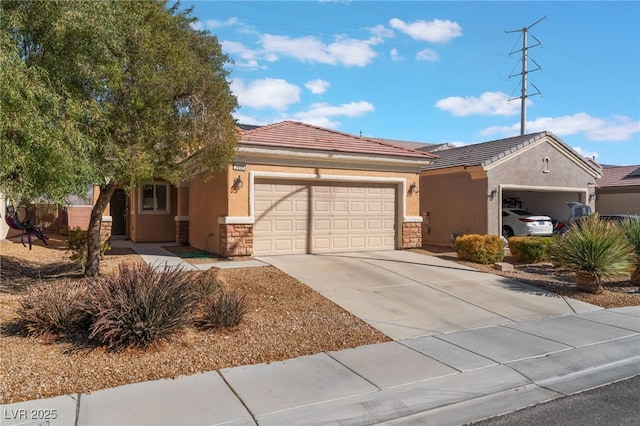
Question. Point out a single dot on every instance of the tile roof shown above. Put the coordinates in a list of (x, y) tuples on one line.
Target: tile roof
[(420, 146), (291, 134), (619, 176), (485, 153)]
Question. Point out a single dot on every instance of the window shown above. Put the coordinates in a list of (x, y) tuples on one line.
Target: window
[(155, 197)]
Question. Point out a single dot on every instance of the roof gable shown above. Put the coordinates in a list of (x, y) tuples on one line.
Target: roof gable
[(296, 135), (487, 153)]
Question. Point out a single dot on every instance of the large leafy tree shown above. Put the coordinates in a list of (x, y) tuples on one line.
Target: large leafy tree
[(146, 89)]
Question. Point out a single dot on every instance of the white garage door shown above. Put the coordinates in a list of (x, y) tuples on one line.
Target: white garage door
[(323, 218)]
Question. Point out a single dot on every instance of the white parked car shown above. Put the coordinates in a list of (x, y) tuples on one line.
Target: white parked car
[(522, 222)]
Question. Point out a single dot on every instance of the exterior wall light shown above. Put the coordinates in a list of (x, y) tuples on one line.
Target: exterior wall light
[(413, 189), (237, 184), (493, 194)]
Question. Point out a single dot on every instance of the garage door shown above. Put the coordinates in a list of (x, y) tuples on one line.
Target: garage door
[(323, 218)]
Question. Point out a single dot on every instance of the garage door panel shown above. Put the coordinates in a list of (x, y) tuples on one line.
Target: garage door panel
[(343, 217)]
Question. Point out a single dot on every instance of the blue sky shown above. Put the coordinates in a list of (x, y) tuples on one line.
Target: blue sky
[(438, 71)]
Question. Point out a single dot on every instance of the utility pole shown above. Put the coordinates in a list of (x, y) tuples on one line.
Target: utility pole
[(523, 90)]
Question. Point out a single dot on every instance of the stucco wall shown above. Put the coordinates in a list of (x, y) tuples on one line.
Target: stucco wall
[(207, 202), (618, 201), (152, 227), (452, 204)]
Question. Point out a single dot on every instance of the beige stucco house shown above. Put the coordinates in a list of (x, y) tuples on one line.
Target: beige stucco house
[(618, 192), (292, 188), (463, 190)]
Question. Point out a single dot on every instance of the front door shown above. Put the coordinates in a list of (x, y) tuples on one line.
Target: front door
[(118, 207)]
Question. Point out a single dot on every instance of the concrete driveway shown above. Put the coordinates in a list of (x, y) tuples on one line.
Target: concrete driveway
[(406, 294)]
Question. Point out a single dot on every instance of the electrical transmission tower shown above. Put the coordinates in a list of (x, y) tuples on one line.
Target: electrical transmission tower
[(523, 91)]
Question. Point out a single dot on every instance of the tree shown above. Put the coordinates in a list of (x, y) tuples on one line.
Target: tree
[(153, 90), (39, 133)]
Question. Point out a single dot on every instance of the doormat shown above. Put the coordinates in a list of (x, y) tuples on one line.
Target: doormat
[(196, 255)]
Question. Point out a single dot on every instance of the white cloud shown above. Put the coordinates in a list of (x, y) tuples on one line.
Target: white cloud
[(395, 56), (245, 119), (317, 86), (381, 31), (436, 31), (266, 93), (249, 56), (489, 103), (321, 114), (212, 23), (197, 25), (585, 153), (617, 128), (427, 55), (344, 51)]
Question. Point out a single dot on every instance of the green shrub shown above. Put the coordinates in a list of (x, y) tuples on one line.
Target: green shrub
[(631, 229), (483, 249), (137, 306), (594, 250), (530, 249), (77, 245), (222, 309), (54, 308)]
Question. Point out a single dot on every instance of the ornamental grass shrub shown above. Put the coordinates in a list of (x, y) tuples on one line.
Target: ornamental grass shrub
[(631, 229), (483, 249), (138, 306), (595, 250), (205, 283), (222, 308), (55, 308), (530, 249)]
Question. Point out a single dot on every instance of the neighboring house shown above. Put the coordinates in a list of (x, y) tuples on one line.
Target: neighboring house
[(619, 190), (292, 188), (463, 191)]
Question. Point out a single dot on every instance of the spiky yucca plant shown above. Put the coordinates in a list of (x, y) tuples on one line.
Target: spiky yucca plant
[(631, 229), (594, 250)]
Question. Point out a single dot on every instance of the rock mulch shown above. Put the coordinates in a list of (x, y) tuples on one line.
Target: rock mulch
[(285, 319)]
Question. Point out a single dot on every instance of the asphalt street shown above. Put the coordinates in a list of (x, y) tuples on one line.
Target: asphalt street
[(617, 404)]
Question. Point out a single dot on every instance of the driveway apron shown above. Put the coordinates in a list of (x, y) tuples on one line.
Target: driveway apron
[(406, 294)]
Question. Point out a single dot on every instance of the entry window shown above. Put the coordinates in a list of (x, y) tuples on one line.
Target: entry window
[(155, 197)]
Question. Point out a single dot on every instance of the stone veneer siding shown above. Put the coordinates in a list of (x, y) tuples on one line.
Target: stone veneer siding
[(105, 230), (411, 235), (236, 240), (182, 232)]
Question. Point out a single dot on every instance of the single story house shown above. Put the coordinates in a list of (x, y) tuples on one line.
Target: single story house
[(292, 188), (618, 192), (464, 190)]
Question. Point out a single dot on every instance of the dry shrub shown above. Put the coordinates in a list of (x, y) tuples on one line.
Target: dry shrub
[(55, 308), (222, 309), (137, 306)]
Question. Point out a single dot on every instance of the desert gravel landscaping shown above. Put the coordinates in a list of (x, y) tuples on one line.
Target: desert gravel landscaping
[(285, 319)]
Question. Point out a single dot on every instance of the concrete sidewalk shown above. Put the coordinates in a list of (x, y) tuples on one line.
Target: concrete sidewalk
[(445, 379)]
